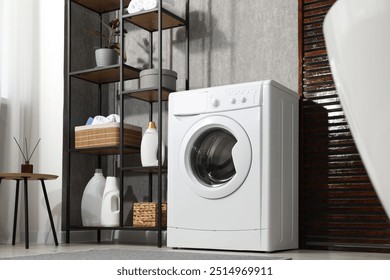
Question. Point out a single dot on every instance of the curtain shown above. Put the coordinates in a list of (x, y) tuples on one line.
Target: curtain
[(19, 76), (20, 106)]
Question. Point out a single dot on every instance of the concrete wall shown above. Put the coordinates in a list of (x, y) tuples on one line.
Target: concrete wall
[(239, 41), (231, 41)]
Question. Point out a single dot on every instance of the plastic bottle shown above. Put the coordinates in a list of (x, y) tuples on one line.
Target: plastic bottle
[(149, 147), (91, 200), (110, 203)]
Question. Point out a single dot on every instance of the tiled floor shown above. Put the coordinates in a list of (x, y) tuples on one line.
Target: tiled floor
[(19, 250)]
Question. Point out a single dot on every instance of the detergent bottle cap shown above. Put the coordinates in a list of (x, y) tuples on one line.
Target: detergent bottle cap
[(152, 125)]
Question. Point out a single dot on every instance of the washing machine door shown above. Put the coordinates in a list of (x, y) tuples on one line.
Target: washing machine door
[(216, 155)]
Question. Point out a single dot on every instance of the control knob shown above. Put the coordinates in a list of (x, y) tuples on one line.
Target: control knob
[(215, 103)]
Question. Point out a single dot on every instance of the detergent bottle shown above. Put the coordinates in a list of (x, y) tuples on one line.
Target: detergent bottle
[(149, 147), (91, 200), (110, 203)]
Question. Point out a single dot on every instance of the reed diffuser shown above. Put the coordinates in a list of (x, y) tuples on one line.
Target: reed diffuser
[(27, 167)]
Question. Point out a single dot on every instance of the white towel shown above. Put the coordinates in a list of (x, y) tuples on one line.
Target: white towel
[(135, 6), (149, 4), (113, 118), (167, 4)]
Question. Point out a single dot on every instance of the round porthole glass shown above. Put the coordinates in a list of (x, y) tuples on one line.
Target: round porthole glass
[(215, 157), (211, 157)]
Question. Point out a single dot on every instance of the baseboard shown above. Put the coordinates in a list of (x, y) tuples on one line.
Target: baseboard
[(140, 237), (120, 236), (34, 238)]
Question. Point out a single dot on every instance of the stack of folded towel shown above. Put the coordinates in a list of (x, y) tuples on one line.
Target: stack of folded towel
[(137, 6), (113, 118)]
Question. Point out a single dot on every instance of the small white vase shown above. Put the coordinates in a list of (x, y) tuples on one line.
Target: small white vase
[(106, 57)]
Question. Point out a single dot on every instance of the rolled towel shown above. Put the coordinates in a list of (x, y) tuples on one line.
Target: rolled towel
[(167, 4), (110, 119), (135, 6), (149, 4), (89, 121), (113, 118), (98, 120)]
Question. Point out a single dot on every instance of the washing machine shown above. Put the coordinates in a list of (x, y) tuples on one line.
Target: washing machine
[(233, 168)]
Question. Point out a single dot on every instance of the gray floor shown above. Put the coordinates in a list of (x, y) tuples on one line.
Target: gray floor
[(19, 250)]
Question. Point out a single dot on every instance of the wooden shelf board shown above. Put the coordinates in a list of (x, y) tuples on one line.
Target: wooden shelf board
[(148, 20), (104, 75), (144, 170), (102, 6), (114, 228), (148, 94), (107, 150)]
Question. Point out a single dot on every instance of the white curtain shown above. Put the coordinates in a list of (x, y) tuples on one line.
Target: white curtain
[(26, 76), (20, 75), (19, 89)]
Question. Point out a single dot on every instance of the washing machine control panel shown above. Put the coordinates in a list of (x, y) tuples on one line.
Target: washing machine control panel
[(233, 98)]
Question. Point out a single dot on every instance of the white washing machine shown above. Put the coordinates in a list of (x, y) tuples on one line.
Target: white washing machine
[(233, 168)]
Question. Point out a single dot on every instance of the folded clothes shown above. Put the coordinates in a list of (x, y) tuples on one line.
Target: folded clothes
[(113, 118), (135, 6), (149, 4), (89, 121)]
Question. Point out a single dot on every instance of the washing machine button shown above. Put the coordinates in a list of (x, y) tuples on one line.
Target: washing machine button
[(215, 103), (243, 99), (233, 101)]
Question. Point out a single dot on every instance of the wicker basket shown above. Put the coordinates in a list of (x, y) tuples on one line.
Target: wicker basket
[(106, 135), (145, 214)]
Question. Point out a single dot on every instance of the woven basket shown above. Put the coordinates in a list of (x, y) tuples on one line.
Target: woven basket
[(145, 214), (106, 135)]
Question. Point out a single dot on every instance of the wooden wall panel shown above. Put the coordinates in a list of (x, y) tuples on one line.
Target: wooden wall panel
[(339, 209)]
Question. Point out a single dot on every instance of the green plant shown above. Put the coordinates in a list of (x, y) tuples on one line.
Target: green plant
[(113, 32)]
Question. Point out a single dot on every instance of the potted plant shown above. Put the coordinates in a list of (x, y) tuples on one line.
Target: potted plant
[(108, 55)]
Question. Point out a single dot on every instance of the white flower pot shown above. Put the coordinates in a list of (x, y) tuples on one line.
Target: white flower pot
[(106, 57)]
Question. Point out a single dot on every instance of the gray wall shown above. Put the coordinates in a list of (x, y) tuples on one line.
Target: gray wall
[(231, 41), (238, 41), (84, 103)]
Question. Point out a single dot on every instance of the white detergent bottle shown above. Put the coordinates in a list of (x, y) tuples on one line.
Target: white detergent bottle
[(149, 147), (110, 203), (91, 201)]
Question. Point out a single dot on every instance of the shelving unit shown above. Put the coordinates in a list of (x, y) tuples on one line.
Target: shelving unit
[(105, 75), (148, 94), (155, 20), (149, 20)]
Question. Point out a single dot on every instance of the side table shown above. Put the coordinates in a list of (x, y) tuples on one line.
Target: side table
[(25, 177)]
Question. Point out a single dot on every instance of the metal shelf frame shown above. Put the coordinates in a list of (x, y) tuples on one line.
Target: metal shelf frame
[(155, 20)]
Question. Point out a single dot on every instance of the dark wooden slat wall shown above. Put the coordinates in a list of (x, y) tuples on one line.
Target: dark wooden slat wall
[(339, 209)]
